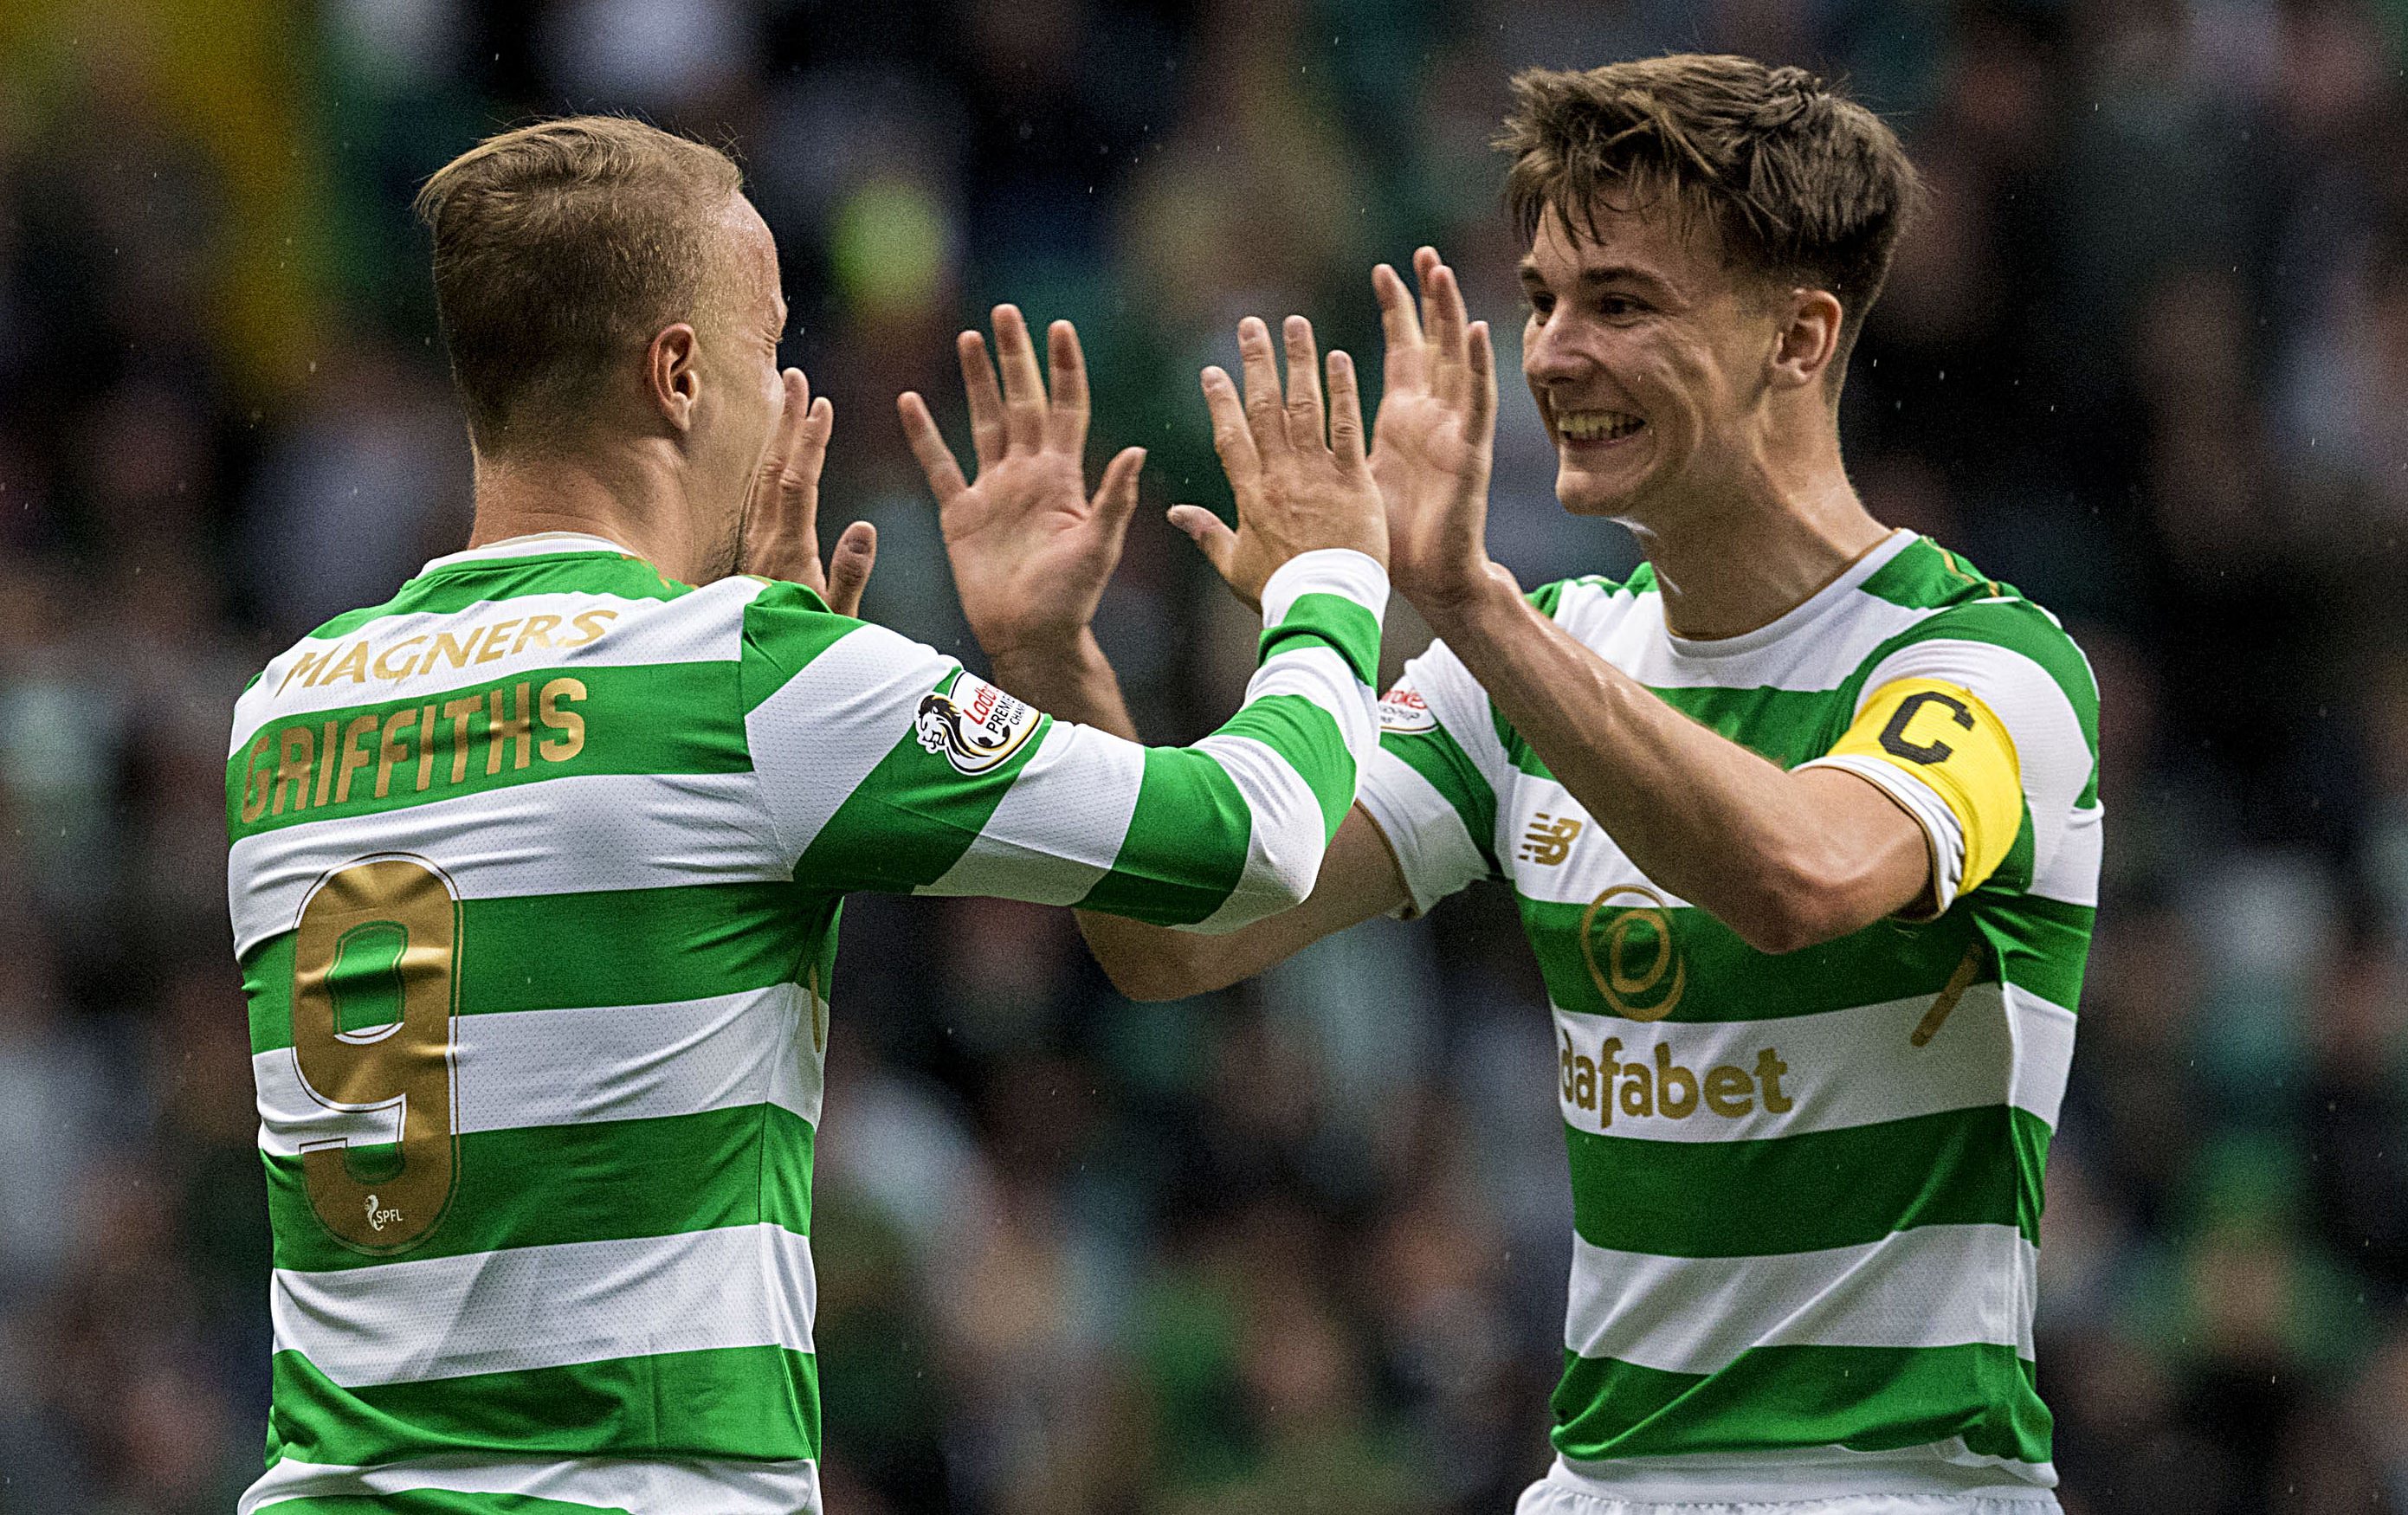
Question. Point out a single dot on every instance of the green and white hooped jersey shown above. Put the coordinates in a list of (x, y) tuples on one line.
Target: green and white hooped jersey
[(534, 878), (1806, 1188)]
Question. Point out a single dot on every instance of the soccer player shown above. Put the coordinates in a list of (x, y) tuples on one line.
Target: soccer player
[(1802, 818), (536, 868)]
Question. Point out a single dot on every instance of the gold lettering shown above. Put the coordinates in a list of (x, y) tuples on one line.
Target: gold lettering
[(295, 755), (425, 748), (257, 782), (1729, 1092), (457, 712), (352, 664), (1638, 1090), (570, 725), (593, 624), (326, 756), (495, 634), (1584, 1083), (383, 668), (354, 755), (1605, 1065), (498, 731), (447, 645), (302, 667), (1769, 1069), (537, 633), (1668, 1073), (389, 751)]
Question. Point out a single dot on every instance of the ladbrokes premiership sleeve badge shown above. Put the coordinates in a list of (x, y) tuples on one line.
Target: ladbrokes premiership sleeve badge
[(976, 726)]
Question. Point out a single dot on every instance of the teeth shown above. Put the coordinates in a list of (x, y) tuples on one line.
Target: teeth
[(1596, 425)]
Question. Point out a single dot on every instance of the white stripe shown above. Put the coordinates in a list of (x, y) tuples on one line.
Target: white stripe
[(1814, 645), (559, 835), (1932, 1286), (2072, 876), (1843, 1068), (1784, 1478), (707, 626), (1060, 825), (521, 1069), (687, 1483), (1285, 847), (1597, 864), (1433, 847), (816, 738), (532, 545), (1326, 570), (528, 1307)]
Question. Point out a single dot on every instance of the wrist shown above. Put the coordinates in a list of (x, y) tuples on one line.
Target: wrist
[(1468, 602), (1045, 653)]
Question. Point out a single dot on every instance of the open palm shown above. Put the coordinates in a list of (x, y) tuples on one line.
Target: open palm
[(1435, 435), (1031, 551)]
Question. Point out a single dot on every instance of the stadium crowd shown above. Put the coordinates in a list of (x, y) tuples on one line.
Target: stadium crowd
[(1299, 1246)]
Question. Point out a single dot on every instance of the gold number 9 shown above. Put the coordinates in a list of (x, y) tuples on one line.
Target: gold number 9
[(376, 976)]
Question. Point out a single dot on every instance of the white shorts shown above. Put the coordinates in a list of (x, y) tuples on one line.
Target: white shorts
[(1565, 1491)]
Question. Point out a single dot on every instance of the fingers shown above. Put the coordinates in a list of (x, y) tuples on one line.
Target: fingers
[(1400, 328), (1306, 430), (1233, 438), (1214, 536), (786, 437), (985, 399), (1425, 264), (928, 445), (1480, 416), (1266, 415), (856, 553), (1345, 413), (1023, 386), (1116, 496), (1449, 373), (1066, 420)]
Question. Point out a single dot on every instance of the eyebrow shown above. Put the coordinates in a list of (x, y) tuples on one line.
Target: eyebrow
[(1591, 278)]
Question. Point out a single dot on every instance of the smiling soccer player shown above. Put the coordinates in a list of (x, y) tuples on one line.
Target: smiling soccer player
[(1802, 818)]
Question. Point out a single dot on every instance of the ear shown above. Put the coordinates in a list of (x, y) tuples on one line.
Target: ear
[(1809, 338), (672, 377)]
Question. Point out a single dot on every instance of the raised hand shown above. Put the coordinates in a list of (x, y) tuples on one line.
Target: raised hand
[(1297, 487), (782, 512), (1030, 549), (1435, 433)]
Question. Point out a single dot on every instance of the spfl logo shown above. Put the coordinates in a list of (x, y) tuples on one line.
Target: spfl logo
[(977, 726), (379, 1218)]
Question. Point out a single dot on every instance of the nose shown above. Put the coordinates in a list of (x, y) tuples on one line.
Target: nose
[(1550, 354)]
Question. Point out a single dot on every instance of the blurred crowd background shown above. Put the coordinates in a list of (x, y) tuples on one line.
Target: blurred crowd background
[(1300, 1246)]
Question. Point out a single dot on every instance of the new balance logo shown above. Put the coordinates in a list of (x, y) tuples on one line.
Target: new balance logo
[(1550, 839)]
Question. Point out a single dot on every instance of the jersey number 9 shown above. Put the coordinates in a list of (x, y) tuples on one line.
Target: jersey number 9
[(374, 984)]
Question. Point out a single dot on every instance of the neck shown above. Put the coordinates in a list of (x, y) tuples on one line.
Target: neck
[(629, 499), (1746, 553)]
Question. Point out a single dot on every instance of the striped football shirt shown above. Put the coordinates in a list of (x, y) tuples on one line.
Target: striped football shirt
[(535, 877), (1806, 1188)]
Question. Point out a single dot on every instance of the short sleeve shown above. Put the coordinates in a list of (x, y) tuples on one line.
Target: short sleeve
[(1432, 785)]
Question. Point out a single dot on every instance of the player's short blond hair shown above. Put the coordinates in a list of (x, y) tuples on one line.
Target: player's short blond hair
[(1799, 181), (561, 249)]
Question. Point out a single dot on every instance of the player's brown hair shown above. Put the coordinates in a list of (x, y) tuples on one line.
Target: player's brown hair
[(1799, 183), (561, 249)]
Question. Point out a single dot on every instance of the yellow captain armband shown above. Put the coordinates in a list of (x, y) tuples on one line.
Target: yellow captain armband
[(1944, 736)]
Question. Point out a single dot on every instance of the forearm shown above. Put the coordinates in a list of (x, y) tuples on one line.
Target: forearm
[(1070, 679), (1773, 854)]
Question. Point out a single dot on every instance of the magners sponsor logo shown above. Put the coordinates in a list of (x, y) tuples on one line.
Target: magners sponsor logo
[(1652, 1086), (1625, 940)]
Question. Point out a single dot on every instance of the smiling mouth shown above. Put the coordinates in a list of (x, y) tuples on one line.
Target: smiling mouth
[(1596, 425)]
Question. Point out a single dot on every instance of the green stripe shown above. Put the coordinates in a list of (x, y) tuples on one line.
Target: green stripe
[(1811, 1190), (2017, 626), (2041, 945), (1773, 1398), (912, 818), (1187, 844), (458, 587), (1350, 628), (742, 1403), (1437, 756), (604, 947), (606, 1180), (437, 1502), (1724, 978), (667, 718), (785, 627), (1306, 735)]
